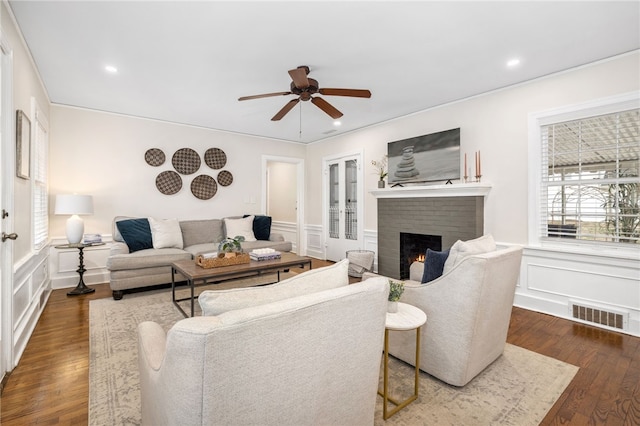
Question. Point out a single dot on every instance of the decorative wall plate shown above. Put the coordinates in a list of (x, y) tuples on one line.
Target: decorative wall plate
[(154, 157), (168, 182), (186, 161), (225, 178), (215, 158), (204, 187)]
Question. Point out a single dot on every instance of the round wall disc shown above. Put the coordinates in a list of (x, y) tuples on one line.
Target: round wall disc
[(186, 161), (154, 157), (168, 182), (204, 187)]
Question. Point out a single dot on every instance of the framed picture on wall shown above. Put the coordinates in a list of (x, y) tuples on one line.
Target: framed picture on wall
[(23, 145)]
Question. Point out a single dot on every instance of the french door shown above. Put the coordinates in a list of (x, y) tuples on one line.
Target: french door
[(343, 205)]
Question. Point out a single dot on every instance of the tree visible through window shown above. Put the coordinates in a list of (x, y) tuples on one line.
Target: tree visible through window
[(590, 177)]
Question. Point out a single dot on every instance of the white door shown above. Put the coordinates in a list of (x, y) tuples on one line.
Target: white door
[(7, 169), (343, 206)]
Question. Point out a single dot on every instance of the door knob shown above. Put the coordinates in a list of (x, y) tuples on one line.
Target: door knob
[(11, 236)]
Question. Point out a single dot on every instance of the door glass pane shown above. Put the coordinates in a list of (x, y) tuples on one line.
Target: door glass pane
[(334, 201), (351, 201)]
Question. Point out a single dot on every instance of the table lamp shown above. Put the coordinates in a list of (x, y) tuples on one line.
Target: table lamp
[(74, 205)]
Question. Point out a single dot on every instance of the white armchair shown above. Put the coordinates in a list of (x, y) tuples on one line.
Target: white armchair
[(468, 310), (307, 360)]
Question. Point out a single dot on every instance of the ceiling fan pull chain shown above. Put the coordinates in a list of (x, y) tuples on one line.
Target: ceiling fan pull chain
[(300, 132)]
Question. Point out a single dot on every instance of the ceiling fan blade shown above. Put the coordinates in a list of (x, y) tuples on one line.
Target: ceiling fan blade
[(299, 77), (356, 93), (326, 107), (285, 109), (266, 95)]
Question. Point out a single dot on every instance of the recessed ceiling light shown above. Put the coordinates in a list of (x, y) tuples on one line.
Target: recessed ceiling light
[(513, 62), (337, 123), (111, 69)]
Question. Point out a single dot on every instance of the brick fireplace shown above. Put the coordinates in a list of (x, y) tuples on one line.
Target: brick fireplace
[(447, 212)]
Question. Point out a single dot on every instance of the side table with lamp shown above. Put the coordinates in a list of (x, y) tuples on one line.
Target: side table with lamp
[(76, 205)]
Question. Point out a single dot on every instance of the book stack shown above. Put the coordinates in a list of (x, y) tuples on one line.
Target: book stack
[(92, 238), (264, 254)]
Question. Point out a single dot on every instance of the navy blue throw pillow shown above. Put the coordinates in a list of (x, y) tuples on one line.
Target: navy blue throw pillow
[(261, 227), (434, 264), (136, 233)]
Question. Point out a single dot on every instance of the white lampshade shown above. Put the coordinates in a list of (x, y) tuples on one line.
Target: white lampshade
[(74, 205)]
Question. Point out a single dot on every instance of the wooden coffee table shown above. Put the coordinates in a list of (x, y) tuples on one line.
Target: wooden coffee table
[(197, 274)]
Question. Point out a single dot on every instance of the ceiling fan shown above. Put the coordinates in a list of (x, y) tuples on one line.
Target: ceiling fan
[(305, 87)]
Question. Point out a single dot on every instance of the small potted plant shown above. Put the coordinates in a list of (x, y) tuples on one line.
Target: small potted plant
[(396, 288), (381, 167), (230, 245)]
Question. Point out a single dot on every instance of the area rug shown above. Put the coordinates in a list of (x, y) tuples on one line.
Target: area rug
[(517, 389)]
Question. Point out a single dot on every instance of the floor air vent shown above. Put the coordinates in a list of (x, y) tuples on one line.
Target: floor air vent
[(599, 316)]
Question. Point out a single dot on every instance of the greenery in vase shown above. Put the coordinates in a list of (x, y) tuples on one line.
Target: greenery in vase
[(229, 245), (395, 290), (381, 167)]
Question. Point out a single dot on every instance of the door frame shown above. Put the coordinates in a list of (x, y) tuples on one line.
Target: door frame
[(359, 155), (7, 172), (300, 172)]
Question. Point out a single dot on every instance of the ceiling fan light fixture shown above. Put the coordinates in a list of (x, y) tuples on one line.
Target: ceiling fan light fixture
[(305, 87)]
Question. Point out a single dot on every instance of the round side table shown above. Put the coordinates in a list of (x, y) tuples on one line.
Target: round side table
[(407, 318), (81, 288)]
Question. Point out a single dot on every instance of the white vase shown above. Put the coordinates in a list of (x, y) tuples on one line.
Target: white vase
[(392, 307)]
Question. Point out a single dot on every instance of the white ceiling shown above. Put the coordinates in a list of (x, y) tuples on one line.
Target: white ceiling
[(189, 62)]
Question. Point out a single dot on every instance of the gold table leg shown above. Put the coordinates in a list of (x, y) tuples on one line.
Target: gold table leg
[(399, 405)]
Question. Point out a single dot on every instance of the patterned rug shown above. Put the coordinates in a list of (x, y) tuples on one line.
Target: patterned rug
[(517, 389)]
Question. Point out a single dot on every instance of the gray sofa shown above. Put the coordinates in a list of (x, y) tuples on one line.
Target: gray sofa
[(150, 267)]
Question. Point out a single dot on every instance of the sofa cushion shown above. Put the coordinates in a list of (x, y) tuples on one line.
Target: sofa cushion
[(136, 233), (434, 264), (215, 302), (201, 231), (166, 233), (240, 227), (261, 227), (462, 249), (146, 258)]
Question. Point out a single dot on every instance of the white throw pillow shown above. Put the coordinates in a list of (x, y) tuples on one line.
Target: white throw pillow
[(216, 302), (462, 249), (242, 227), (165, 233)]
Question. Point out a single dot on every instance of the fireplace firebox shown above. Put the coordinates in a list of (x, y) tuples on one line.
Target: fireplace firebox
[(413, 247)]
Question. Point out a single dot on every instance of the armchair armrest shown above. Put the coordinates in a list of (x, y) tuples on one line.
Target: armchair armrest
[(118, 248), (152, 344), (274, 236)]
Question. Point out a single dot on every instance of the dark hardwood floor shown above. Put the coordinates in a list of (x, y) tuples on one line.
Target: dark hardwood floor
[(51, 383)]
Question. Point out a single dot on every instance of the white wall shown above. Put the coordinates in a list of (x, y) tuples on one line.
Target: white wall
[(103, 155), (496, 123)]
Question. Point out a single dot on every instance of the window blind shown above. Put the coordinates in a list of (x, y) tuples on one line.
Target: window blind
[(40, 186), (590, 178)]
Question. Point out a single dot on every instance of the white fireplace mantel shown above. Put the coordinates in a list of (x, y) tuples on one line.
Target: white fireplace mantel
[(454, 190)]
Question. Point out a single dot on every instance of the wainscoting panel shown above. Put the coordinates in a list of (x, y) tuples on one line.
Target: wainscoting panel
[(313, 234), (31, 291), (552, 281), (289, 231)]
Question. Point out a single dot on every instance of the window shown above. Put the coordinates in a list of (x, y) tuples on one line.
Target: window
[(590, 178), (40, 182)]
